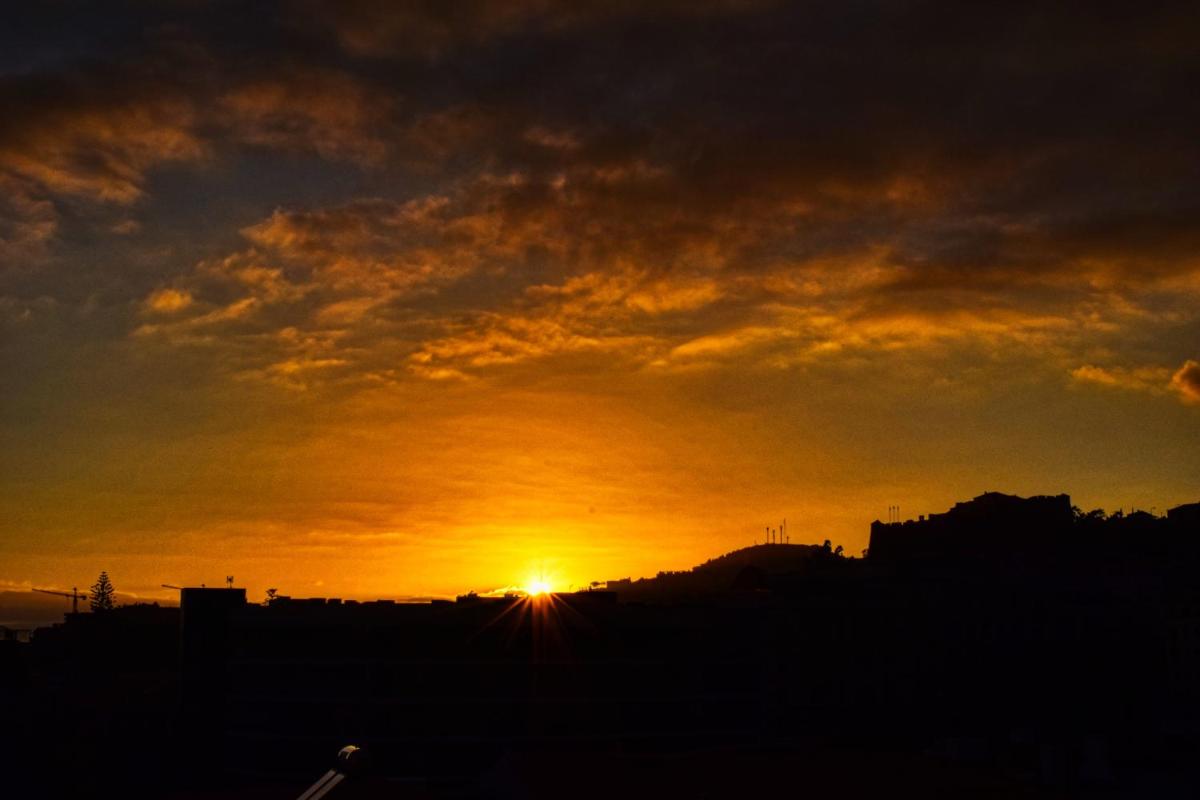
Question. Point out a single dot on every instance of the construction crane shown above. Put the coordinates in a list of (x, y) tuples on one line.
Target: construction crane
[(170, 586), (73, 594)]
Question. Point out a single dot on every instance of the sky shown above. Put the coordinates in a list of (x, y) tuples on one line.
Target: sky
[(356, 301)]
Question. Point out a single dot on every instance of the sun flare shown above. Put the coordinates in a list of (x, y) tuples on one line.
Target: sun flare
[(538, 587)]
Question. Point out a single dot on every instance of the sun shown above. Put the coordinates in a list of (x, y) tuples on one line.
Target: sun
[(538, 587), (541, 579)]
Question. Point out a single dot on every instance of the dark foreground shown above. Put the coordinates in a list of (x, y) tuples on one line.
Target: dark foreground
[(1007, 648)]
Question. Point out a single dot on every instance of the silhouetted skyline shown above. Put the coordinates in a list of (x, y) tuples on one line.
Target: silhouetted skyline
[(1003, 647)]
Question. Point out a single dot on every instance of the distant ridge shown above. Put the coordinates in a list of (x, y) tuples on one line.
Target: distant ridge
[(746, 570)]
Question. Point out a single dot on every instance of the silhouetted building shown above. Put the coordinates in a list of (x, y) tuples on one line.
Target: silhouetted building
[(1185, 515), (992, 526), (94, 685), (206, 629)]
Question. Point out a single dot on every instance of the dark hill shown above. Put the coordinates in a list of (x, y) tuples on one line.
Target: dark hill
[(747, 570)]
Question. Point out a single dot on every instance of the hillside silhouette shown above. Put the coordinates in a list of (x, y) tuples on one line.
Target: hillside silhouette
[(754, 568)]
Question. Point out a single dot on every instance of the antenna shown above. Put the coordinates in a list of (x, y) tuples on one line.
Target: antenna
[(229, 581)]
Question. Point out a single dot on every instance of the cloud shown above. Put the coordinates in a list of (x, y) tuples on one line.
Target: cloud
[(294, 373), (311, 110), (501, 339), (554, 140), (210, 324), (407, 29), (93, 135), (1153, 380), (85, 144), (168, 300), (1186, 381), (27, 222), (660, 189), (718, 344), (347, 276), (646, 282), (371, 251)]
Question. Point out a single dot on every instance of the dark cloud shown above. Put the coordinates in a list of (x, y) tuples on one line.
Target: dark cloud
[(309, 110), (431, 29)]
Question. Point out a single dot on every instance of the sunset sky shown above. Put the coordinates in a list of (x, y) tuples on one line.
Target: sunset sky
[(359, 303)]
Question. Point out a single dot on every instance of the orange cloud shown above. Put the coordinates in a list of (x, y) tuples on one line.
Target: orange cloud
[(101, 152), (509, 339), (1186, 381), (1142, 379), (644, 285), (168, 300)]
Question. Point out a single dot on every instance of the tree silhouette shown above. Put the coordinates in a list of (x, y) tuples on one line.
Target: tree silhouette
[(102, 593)]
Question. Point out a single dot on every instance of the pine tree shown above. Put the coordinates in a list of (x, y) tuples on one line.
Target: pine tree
[(102, 593)]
